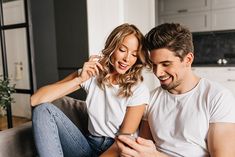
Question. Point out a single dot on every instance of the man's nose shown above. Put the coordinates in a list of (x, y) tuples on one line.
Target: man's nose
[(159, 71)]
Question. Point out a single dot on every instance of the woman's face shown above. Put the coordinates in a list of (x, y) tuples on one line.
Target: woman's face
[(126, 55)]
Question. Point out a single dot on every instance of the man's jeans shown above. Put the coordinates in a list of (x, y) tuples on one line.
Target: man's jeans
[(56, 136)]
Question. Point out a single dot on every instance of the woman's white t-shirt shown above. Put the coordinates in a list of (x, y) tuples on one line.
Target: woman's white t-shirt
[(106, 110)]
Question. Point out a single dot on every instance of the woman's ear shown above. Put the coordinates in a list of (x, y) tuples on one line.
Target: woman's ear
[(189, 59)]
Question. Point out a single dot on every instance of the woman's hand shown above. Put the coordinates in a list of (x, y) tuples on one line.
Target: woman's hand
[(90, 68)]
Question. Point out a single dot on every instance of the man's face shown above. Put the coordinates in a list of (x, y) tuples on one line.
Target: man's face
[(169, 69)]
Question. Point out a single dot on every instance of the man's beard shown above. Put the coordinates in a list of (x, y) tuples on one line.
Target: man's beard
[(170, 86)]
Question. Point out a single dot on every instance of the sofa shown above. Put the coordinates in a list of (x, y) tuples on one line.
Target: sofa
[(19, 142)]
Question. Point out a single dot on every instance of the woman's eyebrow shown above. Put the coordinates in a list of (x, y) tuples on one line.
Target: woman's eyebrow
[(128, 48)]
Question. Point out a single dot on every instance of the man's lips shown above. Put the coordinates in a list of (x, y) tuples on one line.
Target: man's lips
[(164, 79)]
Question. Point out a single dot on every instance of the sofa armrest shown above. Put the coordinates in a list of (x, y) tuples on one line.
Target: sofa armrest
[(17, 142)]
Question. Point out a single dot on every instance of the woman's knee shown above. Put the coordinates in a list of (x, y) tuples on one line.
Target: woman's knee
[(43, 109)]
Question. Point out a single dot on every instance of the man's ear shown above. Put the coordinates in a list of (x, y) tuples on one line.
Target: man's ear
[(189, 59)]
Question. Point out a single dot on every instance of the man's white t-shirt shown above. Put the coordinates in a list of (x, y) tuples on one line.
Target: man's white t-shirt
[(179, 123), (106, 110)]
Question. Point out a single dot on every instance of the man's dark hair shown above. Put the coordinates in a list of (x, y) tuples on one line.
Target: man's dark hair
[(171, 36)]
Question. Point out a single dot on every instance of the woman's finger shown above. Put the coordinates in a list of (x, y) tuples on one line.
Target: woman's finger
[(94, 58)]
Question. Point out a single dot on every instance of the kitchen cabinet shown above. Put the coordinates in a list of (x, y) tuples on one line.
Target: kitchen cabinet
[(222, 4), (223, 75), (197, 21), (193, 14), (167, 7), (222, 19), (199, 16)]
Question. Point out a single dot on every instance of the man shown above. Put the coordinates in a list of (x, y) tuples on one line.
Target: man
[(187, 115)]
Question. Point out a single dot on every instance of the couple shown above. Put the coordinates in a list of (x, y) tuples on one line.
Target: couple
[(186, 116)]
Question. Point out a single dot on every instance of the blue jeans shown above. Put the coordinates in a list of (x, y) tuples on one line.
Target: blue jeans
[(56, 136)]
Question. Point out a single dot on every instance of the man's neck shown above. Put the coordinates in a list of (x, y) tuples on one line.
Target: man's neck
[(190, 81)]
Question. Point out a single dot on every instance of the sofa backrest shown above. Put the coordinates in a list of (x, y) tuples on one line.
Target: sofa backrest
[(75, 109)]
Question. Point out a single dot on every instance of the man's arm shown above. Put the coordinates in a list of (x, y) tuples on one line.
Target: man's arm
[(141, 147), (221, 139)]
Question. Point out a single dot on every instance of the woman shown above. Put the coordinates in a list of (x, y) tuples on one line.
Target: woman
[(116, 100)]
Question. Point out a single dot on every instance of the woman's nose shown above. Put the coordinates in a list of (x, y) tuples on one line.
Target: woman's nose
[(127, 57)]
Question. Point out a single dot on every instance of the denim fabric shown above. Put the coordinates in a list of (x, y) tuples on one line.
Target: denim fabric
[(99, 144), (56, 136)]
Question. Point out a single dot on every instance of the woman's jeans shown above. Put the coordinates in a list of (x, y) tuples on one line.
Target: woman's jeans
[(56, 136)]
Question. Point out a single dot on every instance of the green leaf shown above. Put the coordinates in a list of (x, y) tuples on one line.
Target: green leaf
[(6, 91)]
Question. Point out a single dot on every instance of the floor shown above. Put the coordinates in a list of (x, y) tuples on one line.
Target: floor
[(16, 121)]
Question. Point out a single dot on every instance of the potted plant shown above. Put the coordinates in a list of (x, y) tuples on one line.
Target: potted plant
[(6, 91)]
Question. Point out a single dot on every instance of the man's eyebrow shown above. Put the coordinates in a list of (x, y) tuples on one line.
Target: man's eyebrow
[(167, 61)]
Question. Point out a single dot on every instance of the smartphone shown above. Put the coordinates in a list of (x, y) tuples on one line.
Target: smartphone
[(131, 136)]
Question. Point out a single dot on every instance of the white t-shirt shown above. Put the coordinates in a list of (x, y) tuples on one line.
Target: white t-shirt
[(179, 123), (106, 110)]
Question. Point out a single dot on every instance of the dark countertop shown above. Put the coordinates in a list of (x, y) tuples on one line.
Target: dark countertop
[(213, 65)]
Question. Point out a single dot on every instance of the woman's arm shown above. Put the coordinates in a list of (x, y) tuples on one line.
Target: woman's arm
[(130, 124), (54, 91), (132, 119), (68, 85)]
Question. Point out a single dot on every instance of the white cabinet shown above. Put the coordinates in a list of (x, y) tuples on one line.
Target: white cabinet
[(219, 4), (223, 75), (222, 19), (182, 6), (196, 22), (200, 15), (193, 14)]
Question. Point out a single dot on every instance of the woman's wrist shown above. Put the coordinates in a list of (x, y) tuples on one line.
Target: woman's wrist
[(78, 80)]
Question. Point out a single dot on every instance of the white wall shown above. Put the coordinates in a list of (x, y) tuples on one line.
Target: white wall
[(105, 15), (141, 13)]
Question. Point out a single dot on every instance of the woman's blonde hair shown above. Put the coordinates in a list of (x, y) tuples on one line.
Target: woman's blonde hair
[(133, 75)]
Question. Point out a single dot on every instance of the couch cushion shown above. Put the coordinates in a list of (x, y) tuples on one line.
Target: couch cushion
[(75, 109)]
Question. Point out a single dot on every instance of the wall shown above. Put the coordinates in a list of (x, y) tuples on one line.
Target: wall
[(71, 33), (141, 13), (44, 40), (105, 15)]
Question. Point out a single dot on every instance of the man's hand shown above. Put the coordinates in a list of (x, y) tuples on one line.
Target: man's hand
[(139, 148)]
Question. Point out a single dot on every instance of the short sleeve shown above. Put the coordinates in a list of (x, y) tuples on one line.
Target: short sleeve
[(150, 103), (222, 108), (140, 95)]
